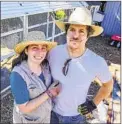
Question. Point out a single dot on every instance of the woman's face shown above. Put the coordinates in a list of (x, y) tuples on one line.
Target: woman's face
[(36, 53)]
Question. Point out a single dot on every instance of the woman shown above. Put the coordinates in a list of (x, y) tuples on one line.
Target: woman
[(31, 80)]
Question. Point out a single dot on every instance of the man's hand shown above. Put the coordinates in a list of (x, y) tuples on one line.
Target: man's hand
[(86, 107)]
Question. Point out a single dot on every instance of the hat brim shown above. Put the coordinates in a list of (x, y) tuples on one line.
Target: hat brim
[(97, 29), (22, 45)]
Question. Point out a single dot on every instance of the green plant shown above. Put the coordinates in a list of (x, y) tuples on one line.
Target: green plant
[(60, 15)]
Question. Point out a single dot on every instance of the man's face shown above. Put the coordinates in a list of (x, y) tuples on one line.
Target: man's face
[(77, 36)]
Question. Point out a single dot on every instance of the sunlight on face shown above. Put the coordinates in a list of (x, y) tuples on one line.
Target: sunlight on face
[(77, 36), (37, 48), (36, 53)]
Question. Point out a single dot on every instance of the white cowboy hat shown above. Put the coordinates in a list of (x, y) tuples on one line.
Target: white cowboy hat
[(34, 37), (81, 16)]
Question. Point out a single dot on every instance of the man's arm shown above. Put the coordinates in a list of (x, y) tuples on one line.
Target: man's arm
[(104, 75), (103, 92)]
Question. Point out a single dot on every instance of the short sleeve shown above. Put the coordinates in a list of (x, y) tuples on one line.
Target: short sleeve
[(19, 88), (103, 72)]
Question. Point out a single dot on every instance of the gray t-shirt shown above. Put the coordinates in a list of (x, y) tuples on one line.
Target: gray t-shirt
[(82, 71)]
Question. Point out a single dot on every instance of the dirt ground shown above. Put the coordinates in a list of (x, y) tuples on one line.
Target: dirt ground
[(98, 45)]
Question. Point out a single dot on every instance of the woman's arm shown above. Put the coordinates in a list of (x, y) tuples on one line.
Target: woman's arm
[(52, 91), (33, 104), (21, 94)]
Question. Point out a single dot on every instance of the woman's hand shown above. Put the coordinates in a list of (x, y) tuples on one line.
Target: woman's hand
[(54, 89)]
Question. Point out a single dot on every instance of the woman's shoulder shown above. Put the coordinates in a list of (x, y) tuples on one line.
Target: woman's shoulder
[(15, 76), (16, 69)]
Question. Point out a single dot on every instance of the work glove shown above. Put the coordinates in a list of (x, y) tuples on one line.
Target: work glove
[(86, 107), (54, 89)]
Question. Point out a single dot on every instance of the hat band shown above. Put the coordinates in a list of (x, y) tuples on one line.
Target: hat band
[(79, 22)]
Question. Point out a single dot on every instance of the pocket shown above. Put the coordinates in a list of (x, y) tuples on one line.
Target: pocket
[(34, 91), (78, 119), (39, 119), (30, 120)]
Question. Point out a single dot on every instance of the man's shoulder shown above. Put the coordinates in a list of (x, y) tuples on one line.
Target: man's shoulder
[(57, 48), (95, 57), (61, 46)]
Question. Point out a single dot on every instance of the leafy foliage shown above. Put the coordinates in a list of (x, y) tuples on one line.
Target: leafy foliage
[(60, 15)]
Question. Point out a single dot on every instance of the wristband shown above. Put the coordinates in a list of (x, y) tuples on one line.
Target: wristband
[(49, 93)]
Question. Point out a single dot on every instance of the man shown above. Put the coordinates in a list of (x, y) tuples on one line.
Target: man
[(75, 66)]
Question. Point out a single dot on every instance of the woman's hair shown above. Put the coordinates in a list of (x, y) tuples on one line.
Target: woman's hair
[(23, 57), (19, 59), (90, 30)]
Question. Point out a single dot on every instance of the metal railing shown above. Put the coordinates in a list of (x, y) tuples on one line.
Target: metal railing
[(25, 29)]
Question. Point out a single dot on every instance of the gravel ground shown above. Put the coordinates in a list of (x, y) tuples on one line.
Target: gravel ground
[(98, 45), (6, 109), (101, 47)]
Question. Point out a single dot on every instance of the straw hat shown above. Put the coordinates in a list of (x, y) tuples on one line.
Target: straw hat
[(34, 37), (81, 16)]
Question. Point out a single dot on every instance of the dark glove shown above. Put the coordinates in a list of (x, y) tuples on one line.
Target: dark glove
[(86, 107)]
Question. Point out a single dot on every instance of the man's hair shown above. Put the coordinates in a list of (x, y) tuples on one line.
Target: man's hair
[(66, 28), (90, 30)]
